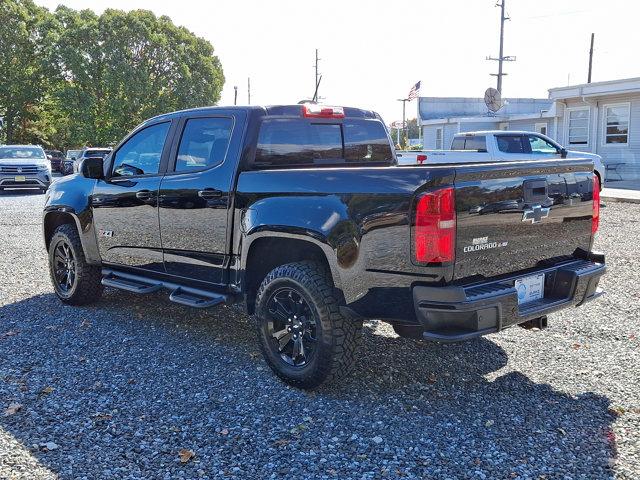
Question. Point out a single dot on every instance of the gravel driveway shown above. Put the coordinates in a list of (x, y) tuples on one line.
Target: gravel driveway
[(139, 388)]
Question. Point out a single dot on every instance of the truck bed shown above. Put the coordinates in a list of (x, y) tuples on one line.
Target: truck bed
[(364, 218)]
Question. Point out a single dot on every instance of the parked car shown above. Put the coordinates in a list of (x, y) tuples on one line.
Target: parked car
[(300, 214), (71, 165), (24, 167), (499, 145), (55, 158)]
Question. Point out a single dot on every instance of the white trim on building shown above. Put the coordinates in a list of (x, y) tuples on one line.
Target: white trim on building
[(579, 140), (439, 138), (605, 125)]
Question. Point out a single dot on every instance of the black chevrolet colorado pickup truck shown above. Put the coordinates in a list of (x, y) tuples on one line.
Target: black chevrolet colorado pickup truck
[(301, 215)]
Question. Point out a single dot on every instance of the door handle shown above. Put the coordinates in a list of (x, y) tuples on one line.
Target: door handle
[(144, 194), (209, 193)]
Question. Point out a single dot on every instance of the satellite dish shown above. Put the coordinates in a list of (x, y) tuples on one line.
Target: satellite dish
[(493, 99)]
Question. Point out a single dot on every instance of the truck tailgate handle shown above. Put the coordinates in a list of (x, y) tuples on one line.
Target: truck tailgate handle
[(209, 193), (536, 190)]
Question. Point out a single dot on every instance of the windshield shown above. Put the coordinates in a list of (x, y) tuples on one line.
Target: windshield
[(73, 154), (22, 152)]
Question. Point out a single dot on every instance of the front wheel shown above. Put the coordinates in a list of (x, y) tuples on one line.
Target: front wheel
[(74, 280), (304, 337)]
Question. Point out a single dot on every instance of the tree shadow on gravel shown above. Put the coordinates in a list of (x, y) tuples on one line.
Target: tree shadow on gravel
[(121, 386)]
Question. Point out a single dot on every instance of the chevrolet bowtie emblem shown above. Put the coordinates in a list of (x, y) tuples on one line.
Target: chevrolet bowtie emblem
[(535, 214)]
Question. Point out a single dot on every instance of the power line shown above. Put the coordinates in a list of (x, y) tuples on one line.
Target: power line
[(501, 57)]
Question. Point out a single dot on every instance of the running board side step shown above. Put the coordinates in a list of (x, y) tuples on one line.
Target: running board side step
[(129, 285), (197, 300), (191, 297)]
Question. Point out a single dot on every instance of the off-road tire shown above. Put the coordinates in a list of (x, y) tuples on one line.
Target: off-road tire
[(338, 334), (87, 287)]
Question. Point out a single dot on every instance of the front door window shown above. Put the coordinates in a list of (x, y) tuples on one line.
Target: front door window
[(140, 155), (540, 146)]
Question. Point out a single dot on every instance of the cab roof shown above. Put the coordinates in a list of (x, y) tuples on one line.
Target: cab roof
[(267, 110)]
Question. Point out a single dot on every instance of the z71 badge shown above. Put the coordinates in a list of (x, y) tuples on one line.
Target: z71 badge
[(482, 243), (105, 233)]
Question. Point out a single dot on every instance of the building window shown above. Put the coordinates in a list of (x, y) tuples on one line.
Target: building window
[(439, 138), (616, 124), (578, 126), (541, 128)]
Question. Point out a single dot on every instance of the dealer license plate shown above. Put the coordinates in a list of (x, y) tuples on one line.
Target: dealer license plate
[(530, 288), (20, 178)]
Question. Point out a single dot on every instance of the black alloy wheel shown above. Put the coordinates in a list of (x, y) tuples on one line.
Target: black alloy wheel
[(75, 281), (64, 267), (292, 327), (304, 336)]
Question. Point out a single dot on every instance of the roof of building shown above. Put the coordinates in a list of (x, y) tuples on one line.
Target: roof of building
[(463, 107), (594, 89)]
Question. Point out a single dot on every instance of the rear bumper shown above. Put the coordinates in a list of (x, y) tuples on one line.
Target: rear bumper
[(457, 313)]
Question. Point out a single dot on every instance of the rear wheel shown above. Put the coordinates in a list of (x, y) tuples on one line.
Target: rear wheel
[(74, 280), (304, 337)]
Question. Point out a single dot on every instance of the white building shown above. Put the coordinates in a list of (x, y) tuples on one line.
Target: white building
[(599, 117)]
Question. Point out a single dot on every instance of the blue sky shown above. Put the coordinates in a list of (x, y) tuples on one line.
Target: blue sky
[(373, 51)]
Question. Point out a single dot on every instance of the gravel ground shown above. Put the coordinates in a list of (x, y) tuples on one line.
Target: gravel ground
[(129, 387)]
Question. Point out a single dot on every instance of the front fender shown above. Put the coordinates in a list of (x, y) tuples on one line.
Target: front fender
[(69, 197)]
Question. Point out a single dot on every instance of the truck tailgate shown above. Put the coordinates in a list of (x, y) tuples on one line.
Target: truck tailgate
[(521, 214)]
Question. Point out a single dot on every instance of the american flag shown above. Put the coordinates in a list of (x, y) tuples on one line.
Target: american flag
[(415, 90)]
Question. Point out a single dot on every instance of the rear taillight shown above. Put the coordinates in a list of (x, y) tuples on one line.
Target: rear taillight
[(595, 220), (434, 227), (421, 158), (312, 110)]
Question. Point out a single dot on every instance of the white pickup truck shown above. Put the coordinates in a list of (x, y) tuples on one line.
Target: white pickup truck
[(497, 145)]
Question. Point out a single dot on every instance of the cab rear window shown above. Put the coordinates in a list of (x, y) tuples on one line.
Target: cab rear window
[(286, 142), (472, 142)]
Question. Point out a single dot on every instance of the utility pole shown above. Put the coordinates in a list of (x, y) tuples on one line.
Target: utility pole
[(248, 90), (501, 56), (318, 78), (590, 58), (235, 95), (404, 118)]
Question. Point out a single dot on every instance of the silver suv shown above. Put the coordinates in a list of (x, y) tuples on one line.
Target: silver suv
[(24, 166)]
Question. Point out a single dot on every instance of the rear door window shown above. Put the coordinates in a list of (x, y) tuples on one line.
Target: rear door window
[(513, 144), (298, 142), (204, 143)]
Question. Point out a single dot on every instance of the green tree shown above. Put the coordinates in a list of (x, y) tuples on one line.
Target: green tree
[(119, 68), (23, 70), (74, 77)]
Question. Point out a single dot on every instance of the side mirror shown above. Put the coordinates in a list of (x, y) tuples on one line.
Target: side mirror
[(92, 167), (563, 153)]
